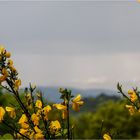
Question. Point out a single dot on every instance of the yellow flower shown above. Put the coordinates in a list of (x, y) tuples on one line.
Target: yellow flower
[(133, 95), (4, 76), (2, 49), (76, 103), (10, 62), (131, 109), (17, 84), (31, 136), (60, 106), (54, 126), (23, 119), (24, 125), (23, 131), (4, 71), (38, 134), (63, 108), (46, 110), (106, 137), (35, 119), (11, 112), (8, 55), (38, 104), (37, 130), (2, 112)]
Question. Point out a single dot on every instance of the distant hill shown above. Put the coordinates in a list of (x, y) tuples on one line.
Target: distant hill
[(91, 103), (52, 93)]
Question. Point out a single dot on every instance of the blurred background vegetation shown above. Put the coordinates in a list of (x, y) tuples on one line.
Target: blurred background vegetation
[(99, 115)]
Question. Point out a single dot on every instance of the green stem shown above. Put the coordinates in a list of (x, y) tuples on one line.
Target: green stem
[(68, 124), (42, 116), (100, 134), (33, 104)]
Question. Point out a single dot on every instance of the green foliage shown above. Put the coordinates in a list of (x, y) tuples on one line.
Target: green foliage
[(91, 104), (6, 136), (115, 119)]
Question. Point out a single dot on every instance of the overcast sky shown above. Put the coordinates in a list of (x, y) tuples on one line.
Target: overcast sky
[(73, 44)]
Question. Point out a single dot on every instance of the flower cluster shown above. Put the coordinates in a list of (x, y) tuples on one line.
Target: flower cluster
[(34, 118), (133, 97), (106, 137)]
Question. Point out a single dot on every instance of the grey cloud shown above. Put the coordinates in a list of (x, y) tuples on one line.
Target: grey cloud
[(75, 44), (96, 27)]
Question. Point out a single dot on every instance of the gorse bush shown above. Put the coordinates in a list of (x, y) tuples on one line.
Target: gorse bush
[(133, 98), (29, 116), (32, 118)]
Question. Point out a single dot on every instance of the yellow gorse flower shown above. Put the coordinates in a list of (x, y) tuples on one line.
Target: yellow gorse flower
[(8, 54), (60, 106), (31, 136), (4, 76), (2, 49), (76, 103), (54, 126), (4, 52), (106, 137), (131, 109), (23, 119), (11, 112), (35, 118), (4, 71), (17, 84), (37, 130), (46, 110), (24, 125), (10, 63), (38, 134), (38, 104), (2, 112), (23, 131), (63, 108), (133, 95)]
